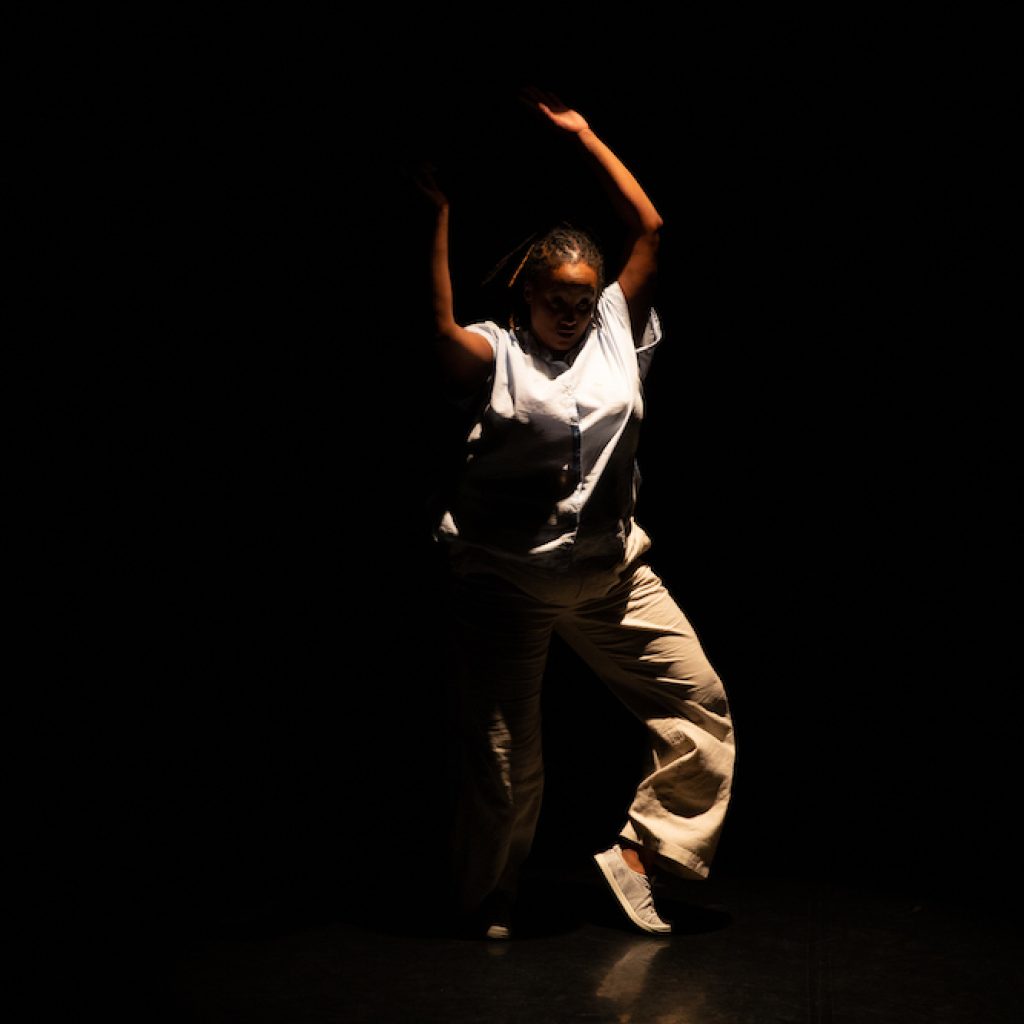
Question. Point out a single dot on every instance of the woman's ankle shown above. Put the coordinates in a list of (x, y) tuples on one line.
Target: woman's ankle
[(637, 858)]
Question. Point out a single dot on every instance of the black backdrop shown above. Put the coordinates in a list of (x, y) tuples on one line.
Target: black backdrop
[(816, 451)]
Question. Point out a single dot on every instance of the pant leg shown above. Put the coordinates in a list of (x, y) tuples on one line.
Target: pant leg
[(636, 639), (501, 639)]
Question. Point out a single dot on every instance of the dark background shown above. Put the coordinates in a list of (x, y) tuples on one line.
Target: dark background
[(821, 455)]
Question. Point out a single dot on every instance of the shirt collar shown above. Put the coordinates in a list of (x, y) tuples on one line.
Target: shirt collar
[(534, 347)]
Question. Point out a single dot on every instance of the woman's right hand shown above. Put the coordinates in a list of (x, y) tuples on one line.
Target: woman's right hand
[(423, 178)]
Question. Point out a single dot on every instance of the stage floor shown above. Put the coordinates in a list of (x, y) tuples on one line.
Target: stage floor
[(764, 950)]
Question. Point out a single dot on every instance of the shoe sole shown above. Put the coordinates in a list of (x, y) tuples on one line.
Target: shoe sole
[(609, 877)]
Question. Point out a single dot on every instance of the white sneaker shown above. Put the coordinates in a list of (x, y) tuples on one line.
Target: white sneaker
[(496, 914), (632, 890)]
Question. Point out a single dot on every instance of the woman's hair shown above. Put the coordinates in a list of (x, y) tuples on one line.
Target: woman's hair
[(562, 244)]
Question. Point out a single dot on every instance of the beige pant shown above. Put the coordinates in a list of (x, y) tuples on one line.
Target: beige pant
[(627, 627)]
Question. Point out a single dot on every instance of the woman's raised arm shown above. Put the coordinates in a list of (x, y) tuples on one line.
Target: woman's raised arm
[(642, 220), (466, 356)]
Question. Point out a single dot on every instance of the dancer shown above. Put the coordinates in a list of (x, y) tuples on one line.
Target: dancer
[(540, 537)]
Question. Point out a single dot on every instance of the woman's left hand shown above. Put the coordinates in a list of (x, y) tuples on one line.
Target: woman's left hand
[(556, 111)]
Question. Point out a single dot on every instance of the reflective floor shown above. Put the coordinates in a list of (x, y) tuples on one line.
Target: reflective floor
[(760, 950)]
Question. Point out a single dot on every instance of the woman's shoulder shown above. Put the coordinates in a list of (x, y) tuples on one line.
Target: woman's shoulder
[(612, 292), (611, 303), (616, 323), (491, 330)]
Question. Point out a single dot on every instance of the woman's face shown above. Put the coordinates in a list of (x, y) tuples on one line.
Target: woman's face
[(561, 304)]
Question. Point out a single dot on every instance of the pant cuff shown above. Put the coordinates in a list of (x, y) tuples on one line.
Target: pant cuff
[(676, 859)]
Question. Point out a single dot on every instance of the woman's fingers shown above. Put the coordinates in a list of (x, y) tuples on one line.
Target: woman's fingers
[(537, 97)]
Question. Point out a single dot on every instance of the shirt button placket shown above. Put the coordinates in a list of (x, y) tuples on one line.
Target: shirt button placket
[(574, 426)]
